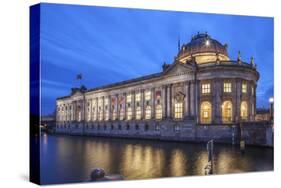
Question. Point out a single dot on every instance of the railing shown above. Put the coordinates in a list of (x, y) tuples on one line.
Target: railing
[(210, 149)]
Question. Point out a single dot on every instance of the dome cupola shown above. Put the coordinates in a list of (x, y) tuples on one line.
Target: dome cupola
[(204, 49)]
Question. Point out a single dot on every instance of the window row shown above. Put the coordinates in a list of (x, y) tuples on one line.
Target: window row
[(226, 112), (227, 88), (121, 115)]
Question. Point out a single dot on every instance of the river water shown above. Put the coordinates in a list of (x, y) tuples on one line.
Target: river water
[(68, 159)]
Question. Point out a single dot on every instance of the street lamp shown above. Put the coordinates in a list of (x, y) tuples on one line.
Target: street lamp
[(271, 101)]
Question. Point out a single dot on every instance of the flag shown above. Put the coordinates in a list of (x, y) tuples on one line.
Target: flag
[(158, 94), (113, 100), (121, 99)]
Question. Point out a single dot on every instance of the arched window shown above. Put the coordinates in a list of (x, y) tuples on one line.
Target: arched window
[(227, 112), (158, 114), (244, 110), (206, 112), (138, 113), (129, 113), (178, 110), (148, 112)]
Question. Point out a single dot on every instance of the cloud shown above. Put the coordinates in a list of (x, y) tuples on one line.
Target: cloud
[(108, 45)]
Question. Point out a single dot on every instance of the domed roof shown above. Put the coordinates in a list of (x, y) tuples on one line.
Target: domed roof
[(201, 44)]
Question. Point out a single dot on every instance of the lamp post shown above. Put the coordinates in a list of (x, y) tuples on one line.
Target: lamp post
[(271, 102)]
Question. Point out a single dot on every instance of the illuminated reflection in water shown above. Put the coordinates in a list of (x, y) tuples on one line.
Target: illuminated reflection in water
[(72, 158)]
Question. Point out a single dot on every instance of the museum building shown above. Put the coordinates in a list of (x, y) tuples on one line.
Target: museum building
[(202, 87)]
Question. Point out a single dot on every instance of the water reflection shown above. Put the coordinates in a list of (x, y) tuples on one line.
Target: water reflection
[(71, 159), (178, 163)]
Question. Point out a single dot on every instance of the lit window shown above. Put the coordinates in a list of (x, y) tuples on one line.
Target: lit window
[(227, 87), (138, 113), (138, 97), (129, 113), (244, 87), (244, 110), (227, 112), (147, 95), (148, 112), (206, 88), (129, 98), (178, 110), (206, 112), (253, 91), (158, 114)]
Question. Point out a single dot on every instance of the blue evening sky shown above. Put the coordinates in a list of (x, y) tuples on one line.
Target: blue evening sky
[(108, 45)]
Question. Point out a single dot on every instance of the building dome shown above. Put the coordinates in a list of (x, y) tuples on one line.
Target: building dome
[(204, 49)]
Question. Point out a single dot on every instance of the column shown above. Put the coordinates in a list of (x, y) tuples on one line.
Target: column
[(168, 101), (186, 89), (117, 107), (192, 98), (102, 108), (197, 99), (109, 108), (74, 111), (142, 104), (255, 100), (81, 110), (234, 100), (218, 101), (94, 111), (133, 94), (163, 102), (84, 108), (238, 98), (125, 105), (90, 110), (152, 103)]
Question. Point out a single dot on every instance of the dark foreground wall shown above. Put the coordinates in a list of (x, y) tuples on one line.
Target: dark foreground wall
[(253, 133), (258, 134)]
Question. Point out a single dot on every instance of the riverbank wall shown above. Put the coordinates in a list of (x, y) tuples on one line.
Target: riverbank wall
[(253, 133)]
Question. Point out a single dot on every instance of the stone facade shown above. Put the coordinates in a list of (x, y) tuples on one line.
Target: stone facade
[(182, 102)]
